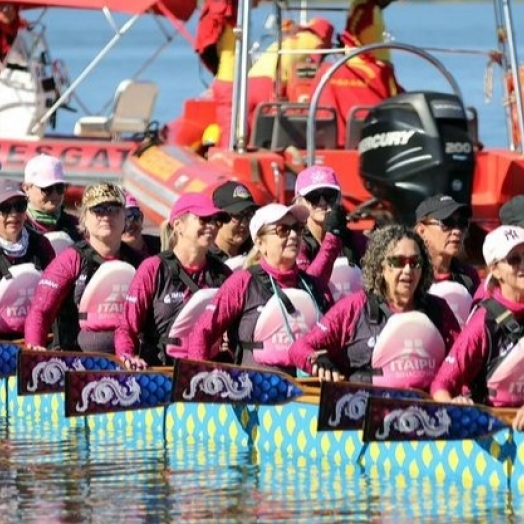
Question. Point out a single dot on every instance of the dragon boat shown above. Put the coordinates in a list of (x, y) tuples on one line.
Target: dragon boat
[(276, 418)]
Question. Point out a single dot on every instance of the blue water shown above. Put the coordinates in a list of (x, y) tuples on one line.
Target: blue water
[(461, 26)]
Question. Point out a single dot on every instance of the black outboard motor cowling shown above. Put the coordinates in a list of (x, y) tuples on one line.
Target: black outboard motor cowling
[(416, 145)]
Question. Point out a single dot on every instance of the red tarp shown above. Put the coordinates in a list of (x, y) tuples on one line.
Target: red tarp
[(181, 9)]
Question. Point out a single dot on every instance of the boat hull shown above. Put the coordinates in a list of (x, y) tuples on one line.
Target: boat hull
[(85, 161), (287, 431)]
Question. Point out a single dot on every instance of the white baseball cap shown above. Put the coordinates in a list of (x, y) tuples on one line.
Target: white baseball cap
[(44, 171), (499, 243), (272, 213)]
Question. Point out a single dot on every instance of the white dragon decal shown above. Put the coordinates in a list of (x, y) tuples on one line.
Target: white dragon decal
[(52, 372), (415, 420), (108, 390), (351, 405), (219, 382)]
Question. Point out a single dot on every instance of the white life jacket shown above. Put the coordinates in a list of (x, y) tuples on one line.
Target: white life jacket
[(60, 240), (345, 279), (103, 300), (408, 351), (506, 384), (16, 295), (178, 341), (271, 329), (235, 263), (457, 297)]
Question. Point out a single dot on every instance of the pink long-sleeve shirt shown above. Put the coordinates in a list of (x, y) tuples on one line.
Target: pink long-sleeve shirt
[(228, 306), (470, 352), (56, 283), (321, 265), (337, 329)]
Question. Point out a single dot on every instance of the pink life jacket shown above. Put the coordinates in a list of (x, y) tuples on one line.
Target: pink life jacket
[(277, 329), (60, 240), (408, 351), (178, 341), (345, 279), (103, 299), (457, 297), (16, 295), (506, 383), (235, 263)]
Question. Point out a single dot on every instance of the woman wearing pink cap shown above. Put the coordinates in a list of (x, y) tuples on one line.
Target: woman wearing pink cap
[(83, 289), (270, 304), (147, 245), (326, 231), (488, 357), (392, 333), (45, 187), (165, 285)]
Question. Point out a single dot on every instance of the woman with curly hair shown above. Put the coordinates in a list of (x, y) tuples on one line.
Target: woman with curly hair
[(392, 332)]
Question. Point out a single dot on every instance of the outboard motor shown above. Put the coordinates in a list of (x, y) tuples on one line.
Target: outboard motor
[(416, 145)]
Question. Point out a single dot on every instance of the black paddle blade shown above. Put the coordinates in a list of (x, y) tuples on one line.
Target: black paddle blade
[(343, 404), (402, 420)]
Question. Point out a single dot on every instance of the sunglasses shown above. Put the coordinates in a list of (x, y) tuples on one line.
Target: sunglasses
[(246, 215), (48, 191), (13, 206), (451, 223), (284, 230), (215, 220), (133, 214), (400, 261), (105, 209), (515, 260), (329, 195)]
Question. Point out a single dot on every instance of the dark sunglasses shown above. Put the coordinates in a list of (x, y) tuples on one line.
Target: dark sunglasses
[(246, 215), (329, 195), (284, 230), (59, 188), (215, 220), (515, 260), (133, 214), (400, 261), (105, 209), (13, 206), (451, 223)]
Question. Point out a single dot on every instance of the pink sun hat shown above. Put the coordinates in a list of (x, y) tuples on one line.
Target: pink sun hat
[(197, 204)]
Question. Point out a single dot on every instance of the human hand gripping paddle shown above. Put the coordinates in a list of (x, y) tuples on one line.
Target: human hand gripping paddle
[(389, 419)]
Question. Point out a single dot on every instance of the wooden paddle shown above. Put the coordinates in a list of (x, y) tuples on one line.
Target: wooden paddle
[(389, 419), (93, 392), (191, 381), (343, 404), (41, 372)]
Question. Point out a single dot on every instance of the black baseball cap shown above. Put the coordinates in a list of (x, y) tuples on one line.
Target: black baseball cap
[(512, 212), (440, 207), (234, 198)]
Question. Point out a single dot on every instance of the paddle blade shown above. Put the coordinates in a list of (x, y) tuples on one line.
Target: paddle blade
[(41, 372), (343, 404), (196, 381), (401, 420), (96, 392), (8, 355)]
